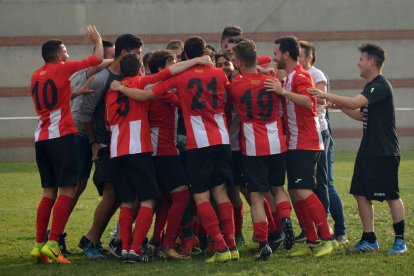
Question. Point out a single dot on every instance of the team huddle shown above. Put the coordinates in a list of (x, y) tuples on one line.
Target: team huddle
[(184, 133)]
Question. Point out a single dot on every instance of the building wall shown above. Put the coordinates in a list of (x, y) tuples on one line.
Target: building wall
[(336, 27)]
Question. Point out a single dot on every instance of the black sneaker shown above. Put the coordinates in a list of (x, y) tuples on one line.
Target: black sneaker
[(275, 240), (136, 258), (62, 245), (289, 236), (264, 252), (83, 242), (115, 247), (301, 238)]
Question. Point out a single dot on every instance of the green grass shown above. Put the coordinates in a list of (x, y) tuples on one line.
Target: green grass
[(20, 193)]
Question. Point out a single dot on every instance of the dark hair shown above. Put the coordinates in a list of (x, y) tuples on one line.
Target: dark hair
[(374, 51), (211, 48), (127, 42), (146, 58), (246, 52), (309, 49), (130, 65), (182, 56), (106, 44), (50, 48), (231, 31), (224, 54), (289, 44), (194, 47), (235, 40), (175, 44), (159, 59)]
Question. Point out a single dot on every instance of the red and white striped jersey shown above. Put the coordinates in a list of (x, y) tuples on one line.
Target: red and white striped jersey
[(303, 131), (50, 90), (163, 119), (128, 119), (201, 91), (261, 127)]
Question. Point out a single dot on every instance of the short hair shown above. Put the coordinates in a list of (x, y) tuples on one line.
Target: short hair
[(289, 44), (146, 58), (231, 31), (127, 42), (194, 47), (159, 59), (106, 44), (50, 48), (246, 52), (224, 54), (237, 39), (211, 48), (175, 44), (130, 65), (309, 49), (374, 51)]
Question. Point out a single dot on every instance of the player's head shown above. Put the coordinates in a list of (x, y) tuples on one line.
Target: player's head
[(194, 47), (109, 49), (145, 60), (223, 60), (128, 44), (233, 41), (307, 55), (177, 46), (54, 51), (130, 64), (160, 60), (286, 50), (371, 59), (245, 54), (230, 31)]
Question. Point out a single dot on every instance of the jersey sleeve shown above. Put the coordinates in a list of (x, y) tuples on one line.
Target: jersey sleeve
[(158, 77), (319, 76), (303, 82), (376, 92), (164, 87), (72, 66)]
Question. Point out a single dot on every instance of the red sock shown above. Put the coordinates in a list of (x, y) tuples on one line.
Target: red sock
[(60, 216), (283, 210), (142, 225), (125, 227), (210, 223), (180, 201), (317, 212), (43, 215), (271, 223), (260, 231), (225, 211), (238, 220), (305, 220), (161, 214)]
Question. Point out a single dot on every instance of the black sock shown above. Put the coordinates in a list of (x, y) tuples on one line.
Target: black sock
[(399, 228), (369, 237)]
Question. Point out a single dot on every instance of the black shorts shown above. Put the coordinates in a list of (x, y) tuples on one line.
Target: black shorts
[(209, 167), (83, 157), (56, 160), (238, 173), (169, 172), (301, 168), (376, 178), (262, 172), (134, 177), (103, 170)]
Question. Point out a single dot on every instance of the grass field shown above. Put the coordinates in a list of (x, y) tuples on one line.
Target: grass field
[(20, 193)]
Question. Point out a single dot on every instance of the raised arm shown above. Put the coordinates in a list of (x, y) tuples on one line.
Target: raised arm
[(95, 38), (184, 65)]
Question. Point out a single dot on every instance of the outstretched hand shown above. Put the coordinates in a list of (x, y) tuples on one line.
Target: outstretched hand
[(315, 92), (93, 34)]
